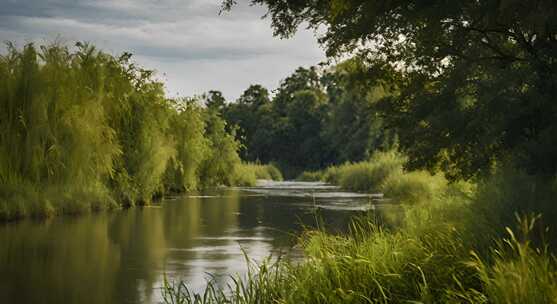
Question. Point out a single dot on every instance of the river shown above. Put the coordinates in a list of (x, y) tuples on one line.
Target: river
[(122, 256)]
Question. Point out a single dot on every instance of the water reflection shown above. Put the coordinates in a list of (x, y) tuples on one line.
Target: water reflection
[(121, 257)]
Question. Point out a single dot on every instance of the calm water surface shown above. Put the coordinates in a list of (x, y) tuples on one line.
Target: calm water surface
[(121, 257)]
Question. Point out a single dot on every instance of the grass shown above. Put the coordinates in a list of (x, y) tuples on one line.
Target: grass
[(310, 176), (413, 187), (246, 174), (25, 200), (459, 243), (366, 176)]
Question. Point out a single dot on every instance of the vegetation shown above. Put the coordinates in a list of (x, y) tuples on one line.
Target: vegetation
[(247, 174), (134, 145), (475, 81), (449, 81), (453, 247), (318, 117), (463, 91)]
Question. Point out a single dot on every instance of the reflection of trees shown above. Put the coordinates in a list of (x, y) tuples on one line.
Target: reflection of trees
[(62, 261), (219, 213), (118, 257), (139, 234)]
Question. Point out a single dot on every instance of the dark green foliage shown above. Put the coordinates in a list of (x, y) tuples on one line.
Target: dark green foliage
[(317, 118), (252, 114), (82, 130), (476, 78)]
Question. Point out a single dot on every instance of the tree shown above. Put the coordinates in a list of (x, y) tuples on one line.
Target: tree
[(476, 78), (214, 100), (250, 113)]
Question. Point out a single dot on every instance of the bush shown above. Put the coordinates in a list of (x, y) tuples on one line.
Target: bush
[(310, 176), (413, 187), (370, 176), (246, 174)]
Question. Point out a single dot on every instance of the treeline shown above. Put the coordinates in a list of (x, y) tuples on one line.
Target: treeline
[(84, 130), (317, 117)]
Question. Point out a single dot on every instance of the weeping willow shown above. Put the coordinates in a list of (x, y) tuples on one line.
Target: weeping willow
[(192, 146), (83, 130)]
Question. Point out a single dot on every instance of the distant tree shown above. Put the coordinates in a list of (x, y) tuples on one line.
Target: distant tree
[(255, 95), (214, 100), (249, 115)]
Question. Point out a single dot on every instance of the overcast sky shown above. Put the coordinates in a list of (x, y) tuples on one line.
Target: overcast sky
[(186, 41)]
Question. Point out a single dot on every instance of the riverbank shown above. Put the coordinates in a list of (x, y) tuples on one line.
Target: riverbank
[(484, 242), (122, 256), (28, 201), (82, 130)]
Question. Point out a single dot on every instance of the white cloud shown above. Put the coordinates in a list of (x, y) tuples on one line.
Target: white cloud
[(187, 40)]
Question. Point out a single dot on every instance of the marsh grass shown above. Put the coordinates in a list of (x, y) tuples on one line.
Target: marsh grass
[(310, 176), (246, 174), (446, 249), (260, 284), (413, 187)]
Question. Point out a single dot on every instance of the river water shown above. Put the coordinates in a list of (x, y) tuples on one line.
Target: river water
[(122, 256)]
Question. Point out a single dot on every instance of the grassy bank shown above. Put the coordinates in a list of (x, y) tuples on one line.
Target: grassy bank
[(382, 173), (83, 130), (489, 242)]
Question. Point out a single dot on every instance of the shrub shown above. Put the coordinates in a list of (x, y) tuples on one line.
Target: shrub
[(246, 174), (370, 175), (413, 187), (310, 176)]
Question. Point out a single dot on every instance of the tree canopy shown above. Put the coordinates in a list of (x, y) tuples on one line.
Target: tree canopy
[(318, 117), (476, 79)]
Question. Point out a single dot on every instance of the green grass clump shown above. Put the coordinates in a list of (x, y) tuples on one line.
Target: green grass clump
[(310, 176), (366, 176), (332, 175), (413, 187), (515, 271), (246, 174), (370, 176)]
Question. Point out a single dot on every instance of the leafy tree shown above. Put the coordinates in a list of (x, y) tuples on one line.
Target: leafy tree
[(297, 114), (476, 78), (315, 119), (353, 124), (83, 130), (214, 100), (250, 113)]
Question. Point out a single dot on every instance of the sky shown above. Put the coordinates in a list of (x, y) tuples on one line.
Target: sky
[(191, 46)]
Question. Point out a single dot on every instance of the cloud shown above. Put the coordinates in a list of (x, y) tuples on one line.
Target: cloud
[(186, 40)]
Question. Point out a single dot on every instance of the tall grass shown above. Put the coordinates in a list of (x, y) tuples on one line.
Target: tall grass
[(464, 244), (83, 130), (246, 174)]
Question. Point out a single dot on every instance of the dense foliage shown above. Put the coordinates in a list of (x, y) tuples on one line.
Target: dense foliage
[(81, 129), (317, 117), (471, 89), (476, 78)]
